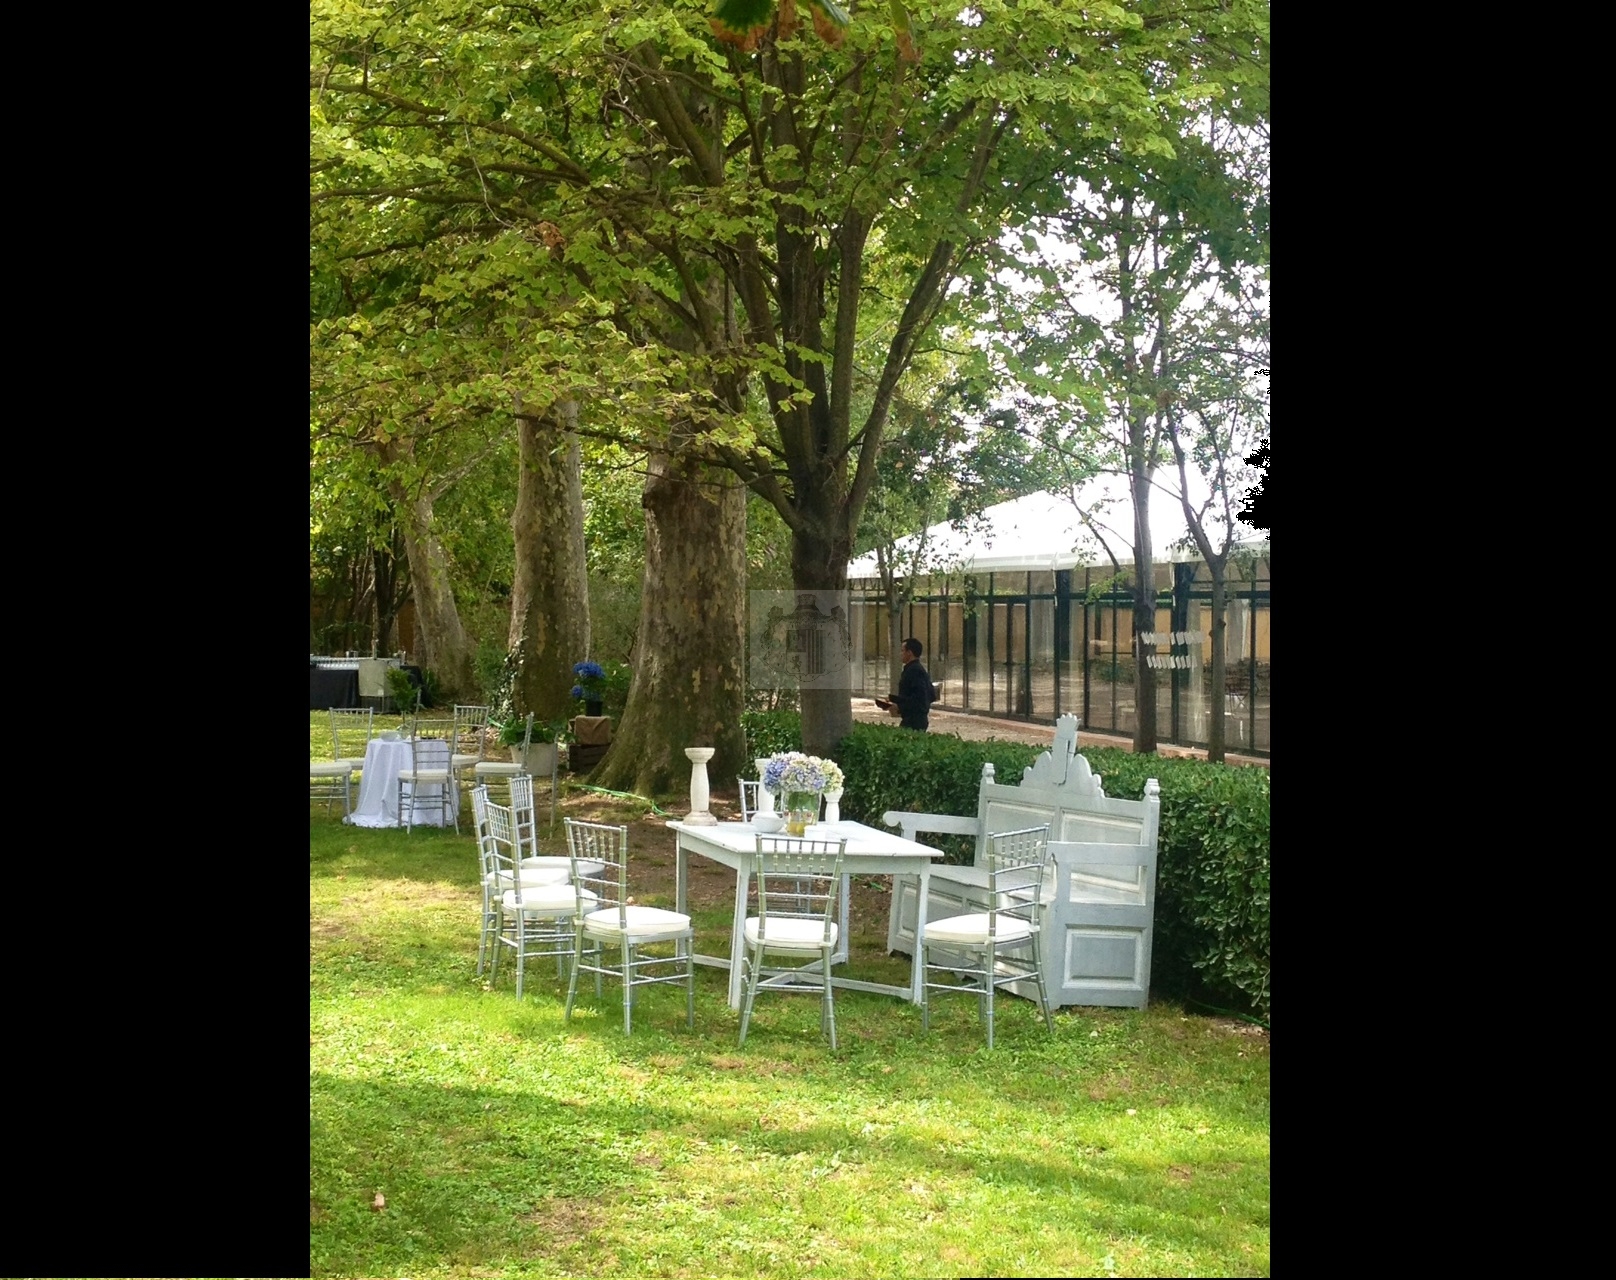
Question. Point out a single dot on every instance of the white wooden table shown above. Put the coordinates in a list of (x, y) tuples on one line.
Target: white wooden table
[(869, 852)]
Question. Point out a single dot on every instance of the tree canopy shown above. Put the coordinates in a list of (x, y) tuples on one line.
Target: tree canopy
[(726, 234)]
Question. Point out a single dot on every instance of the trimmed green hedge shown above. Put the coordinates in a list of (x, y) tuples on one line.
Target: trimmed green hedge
[(1212, 873), (770, 731)]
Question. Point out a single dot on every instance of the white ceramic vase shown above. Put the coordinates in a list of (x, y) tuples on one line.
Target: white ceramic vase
[(765, 798)]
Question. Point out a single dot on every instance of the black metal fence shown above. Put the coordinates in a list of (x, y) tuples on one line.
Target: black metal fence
[(1034, 645)]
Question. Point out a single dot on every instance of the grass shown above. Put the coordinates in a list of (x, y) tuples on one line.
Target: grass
[(505, 1142)]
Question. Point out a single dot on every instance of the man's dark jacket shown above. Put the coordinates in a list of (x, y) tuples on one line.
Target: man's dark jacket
[(914, 696)]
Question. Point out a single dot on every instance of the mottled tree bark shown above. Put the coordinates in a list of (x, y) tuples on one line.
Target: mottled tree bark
[(550, 591), (442, 639), (689, 684)]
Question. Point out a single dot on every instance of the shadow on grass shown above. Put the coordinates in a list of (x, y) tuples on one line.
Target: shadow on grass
[(475, 1175), (426, 853)]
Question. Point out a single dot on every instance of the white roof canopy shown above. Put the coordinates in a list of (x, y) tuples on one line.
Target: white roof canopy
[(1044, 531)]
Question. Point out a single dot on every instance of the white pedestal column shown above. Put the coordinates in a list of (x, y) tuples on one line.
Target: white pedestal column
[(765, 798), (699, 793)]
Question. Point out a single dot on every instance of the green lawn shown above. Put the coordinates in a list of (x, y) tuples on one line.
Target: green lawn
[(505, 1142)]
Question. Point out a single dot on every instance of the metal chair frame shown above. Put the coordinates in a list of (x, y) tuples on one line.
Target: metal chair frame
[(328, 778), (750, 788), (512, 771), (487, 875), (1017, 864), (798, 883), (527, 828), (532, 911), (605, 915), (346, 724), (470, 730), (417, 777)]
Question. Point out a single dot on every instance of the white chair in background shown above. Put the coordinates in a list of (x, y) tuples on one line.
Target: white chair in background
[(487, 770), (606, 917), (797, 882), (468, 740), (423, 773), (750, 790), (351, 729), (1000, 937), (499, 769)]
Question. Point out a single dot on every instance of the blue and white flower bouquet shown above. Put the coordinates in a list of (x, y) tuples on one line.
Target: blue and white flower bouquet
[(792, 771)]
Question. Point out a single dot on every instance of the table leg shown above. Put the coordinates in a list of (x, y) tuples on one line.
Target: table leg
[(737, 937), (681, 874), (917, 979)]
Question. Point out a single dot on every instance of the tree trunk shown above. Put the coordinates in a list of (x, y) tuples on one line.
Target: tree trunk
[(894, 602), (392, 589), (1215, 734), (382, 576), (689, 686), (550, 591), (1144, 618), (819, 563), (895, 639), (443, 640)]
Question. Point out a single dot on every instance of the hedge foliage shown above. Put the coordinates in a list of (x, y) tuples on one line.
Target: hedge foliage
[(770, 731), (1212, 871)]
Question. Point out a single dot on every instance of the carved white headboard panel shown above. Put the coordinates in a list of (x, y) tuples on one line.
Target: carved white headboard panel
[(1061, 766)]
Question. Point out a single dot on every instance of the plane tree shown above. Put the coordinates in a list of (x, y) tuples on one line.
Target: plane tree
[(719, 204)]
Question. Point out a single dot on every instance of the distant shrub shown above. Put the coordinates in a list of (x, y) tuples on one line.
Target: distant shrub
[(770, 731)]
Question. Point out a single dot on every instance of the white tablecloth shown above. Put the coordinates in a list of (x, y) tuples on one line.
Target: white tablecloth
[(379, 789)]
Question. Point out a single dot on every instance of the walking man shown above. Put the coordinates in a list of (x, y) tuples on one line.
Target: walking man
[(912, 702)]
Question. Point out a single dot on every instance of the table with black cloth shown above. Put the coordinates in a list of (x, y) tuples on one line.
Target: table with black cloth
[(332, 687)]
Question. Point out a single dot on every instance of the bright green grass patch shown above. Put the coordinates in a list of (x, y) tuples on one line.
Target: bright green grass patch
[(506, 1142)]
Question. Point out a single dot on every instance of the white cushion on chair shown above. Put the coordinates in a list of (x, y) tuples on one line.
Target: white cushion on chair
[(497, 769), (330, 768), (564, 865), (426, 777), (461, 761), (643, 922), (548, 900), (786, 934), (974, 929)]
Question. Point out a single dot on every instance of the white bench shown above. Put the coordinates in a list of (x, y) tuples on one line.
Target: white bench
[(1100, 894)]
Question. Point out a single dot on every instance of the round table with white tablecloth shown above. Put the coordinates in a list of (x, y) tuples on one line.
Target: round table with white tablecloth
[(385, 759)]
